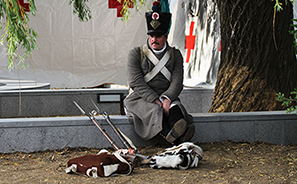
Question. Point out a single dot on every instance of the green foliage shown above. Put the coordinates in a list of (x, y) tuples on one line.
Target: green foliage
[(17, 33), (84, 14), (278, 5), (82, 9), (138, 4), (290, 102), (294, 32)]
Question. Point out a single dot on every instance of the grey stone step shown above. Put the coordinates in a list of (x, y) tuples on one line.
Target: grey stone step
[(39, 134)]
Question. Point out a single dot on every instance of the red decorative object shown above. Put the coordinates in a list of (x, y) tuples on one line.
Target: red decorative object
[(24, 5), (156, 3), (119, 6), (220, 46), (190, 42)]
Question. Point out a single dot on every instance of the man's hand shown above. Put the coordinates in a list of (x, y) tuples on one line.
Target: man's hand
[(157, 101), (166, 106)]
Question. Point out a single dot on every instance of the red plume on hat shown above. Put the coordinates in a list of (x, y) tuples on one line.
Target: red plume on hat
[(156, 6), (156, 3)]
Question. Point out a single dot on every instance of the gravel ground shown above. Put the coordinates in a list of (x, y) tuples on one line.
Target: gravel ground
[(225, 162)]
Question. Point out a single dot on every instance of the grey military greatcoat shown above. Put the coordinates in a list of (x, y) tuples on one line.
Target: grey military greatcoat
[(141, 110)]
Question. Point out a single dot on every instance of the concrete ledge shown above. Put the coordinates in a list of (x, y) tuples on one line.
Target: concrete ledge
[(274, 127), (49, 103), (39, 134), (9, 84)]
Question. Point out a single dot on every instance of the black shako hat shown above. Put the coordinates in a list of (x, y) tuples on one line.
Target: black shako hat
[(157, 22)]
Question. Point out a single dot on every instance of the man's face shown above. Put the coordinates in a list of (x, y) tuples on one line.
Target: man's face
[(157, 42)]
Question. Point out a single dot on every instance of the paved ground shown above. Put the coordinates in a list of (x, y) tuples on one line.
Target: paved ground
[(226, 162)]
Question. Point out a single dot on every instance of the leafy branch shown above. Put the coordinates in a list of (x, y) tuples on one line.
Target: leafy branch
[(82, 9), (290, 102), (17, 33), (138, 4), (278, 5), (84, 14), (294, 33)]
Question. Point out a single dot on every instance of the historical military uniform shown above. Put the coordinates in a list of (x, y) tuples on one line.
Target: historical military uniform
[(153, 76)]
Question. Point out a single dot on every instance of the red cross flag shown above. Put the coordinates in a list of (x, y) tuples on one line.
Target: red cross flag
[(25, 5), (119, 6), (190, 42), (199, 23)]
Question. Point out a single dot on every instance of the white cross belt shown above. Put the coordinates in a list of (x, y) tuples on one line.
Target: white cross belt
[(159, 65)]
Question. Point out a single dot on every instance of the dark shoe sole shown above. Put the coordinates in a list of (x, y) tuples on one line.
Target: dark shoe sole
[(188, 134), (178, 130)]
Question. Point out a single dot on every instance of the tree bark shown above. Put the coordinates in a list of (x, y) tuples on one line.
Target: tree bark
[(257, 58)]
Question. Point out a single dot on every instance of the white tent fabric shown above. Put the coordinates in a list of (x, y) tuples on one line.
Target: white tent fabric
[(196, 32), (74, 54)]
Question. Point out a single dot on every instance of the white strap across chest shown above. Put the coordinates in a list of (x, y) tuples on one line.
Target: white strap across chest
[(159, 64)]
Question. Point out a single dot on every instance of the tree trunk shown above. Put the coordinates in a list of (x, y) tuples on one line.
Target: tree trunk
[(257, 59)]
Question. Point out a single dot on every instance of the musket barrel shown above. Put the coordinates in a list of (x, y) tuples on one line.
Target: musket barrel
[(123, 140), (104, 133), (92, 118)]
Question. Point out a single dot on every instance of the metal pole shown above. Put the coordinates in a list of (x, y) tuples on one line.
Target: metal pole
[(92, 118)]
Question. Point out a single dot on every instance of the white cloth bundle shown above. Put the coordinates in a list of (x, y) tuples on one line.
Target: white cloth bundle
[(183, 156)]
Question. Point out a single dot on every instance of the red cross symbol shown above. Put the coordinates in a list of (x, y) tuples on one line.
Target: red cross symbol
[(24, 5), (190, 42), (118, 4)]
